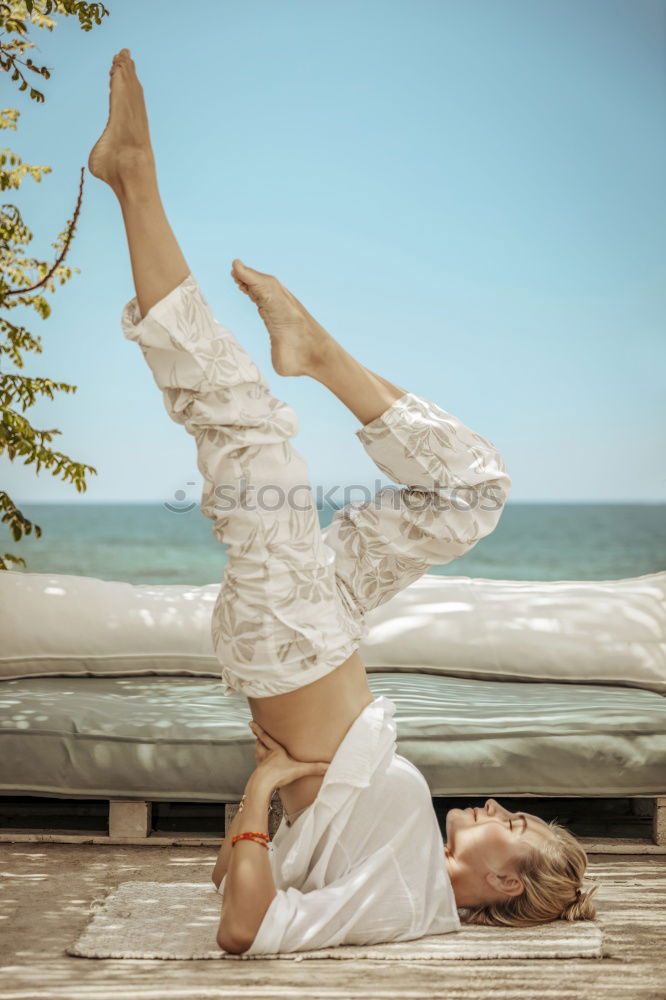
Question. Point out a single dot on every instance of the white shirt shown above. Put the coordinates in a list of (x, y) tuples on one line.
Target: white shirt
[(364, 864)]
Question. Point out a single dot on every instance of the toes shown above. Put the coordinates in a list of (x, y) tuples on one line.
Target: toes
[(244, 269), (119, 62), (124, 59), (242, 273), (252, 277)]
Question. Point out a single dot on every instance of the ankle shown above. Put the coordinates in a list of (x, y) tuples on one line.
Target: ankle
[(135, 176), (329, 355)]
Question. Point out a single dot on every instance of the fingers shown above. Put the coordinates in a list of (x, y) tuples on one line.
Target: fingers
[(263, 736), (301, 768)]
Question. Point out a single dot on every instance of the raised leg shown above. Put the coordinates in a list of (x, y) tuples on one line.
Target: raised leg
[(279, 623), (455, 488), (455, 482), (123, 158)]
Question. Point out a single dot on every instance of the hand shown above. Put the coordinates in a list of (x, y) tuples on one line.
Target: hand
[(275, 766)]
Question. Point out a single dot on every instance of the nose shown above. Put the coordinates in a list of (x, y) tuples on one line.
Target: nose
[(493, 808)]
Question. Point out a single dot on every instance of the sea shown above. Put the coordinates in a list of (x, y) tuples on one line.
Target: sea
[(168, 543)]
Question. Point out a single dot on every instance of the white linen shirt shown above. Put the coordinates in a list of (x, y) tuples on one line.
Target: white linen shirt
[(364, 864)]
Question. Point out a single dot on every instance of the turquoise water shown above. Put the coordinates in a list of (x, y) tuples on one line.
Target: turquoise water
[(146, 543)]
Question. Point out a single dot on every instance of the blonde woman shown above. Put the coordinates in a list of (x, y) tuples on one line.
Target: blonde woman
[(359, 857)]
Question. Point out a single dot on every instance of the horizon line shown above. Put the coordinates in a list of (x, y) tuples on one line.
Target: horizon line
[(80, 502)]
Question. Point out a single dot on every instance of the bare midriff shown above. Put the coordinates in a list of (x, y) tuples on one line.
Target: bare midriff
[(312, 721)]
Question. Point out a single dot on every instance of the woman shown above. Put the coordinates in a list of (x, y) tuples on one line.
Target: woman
[(359, 857)]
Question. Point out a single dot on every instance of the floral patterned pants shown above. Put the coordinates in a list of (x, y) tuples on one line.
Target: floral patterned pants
[(292, 602)]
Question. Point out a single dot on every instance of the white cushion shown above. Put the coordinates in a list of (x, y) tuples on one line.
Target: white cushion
[(581, 632), (584, 632), (68, 625)]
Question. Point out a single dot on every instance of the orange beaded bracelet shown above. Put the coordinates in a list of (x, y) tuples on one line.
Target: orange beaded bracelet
[(258, 838)]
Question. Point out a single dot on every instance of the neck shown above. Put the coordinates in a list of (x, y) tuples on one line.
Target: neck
[(453, 872), (462, 881)]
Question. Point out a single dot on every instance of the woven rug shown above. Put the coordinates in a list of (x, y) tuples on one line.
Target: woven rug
[(178, 920)]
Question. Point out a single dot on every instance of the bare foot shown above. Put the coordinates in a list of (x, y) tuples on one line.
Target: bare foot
[(124, 147), (299, 345)]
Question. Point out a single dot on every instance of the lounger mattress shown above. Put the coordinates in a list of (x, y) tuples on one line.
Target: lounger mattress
[(179, 738)]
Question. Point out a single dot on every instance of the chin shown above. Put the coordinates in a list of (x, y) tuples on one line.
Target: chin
[(455, 820), (461, 817)]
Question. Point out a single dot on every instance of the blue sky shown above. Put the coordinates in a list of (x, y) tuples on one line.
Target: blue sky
[(468, 195)]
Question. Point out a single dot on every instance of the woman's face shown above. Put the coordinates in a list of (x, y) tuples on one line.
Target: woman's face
[(483, 847)]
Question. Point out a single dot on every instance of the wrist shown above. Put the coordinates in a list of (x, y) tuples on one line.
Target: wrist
[(259, 787)]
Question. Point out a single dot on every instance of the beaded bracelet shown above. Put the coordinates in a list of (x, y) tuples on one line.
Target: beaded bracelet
[(258, 838), (264, 836)]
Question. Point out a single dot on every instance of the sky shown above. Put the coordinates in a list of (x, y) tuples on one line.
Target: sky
[(469, 196)]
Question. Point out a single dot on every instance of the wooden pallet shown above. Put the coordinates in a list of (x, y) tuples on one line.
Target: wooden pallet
[(130, 822)]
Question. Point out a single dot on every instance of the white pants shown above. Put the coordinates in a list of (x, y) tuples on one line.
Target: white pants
[(292, 602)]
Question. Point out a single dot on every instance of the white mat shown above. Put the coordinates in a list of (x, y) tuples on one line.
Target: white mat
[(178, 920)]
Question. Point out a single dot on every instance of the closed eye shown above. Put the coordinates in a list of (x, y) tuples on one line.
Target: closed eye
[(524, 819)]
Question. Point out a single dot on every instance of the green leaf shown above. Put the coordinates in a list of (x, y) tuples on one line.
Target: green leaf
[(26, 281), (9, 559)]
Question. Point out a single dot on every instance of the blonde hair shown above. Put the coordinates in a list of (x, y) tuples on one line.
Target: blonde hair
[(552, 876)]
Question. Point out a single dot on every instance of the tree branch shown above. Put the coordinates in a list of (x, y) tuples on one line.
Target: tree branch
[(63, 254)]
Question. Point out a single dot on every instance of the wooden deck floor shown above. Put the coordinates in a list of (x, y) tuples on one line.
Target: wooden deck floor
[(47, 890)]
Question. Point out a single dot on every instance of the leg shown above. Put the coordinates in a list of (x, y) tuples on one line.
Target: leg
[(455, 483), (460, 479), (123, 158), (455, 488), (278, 623), (365, 393)]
